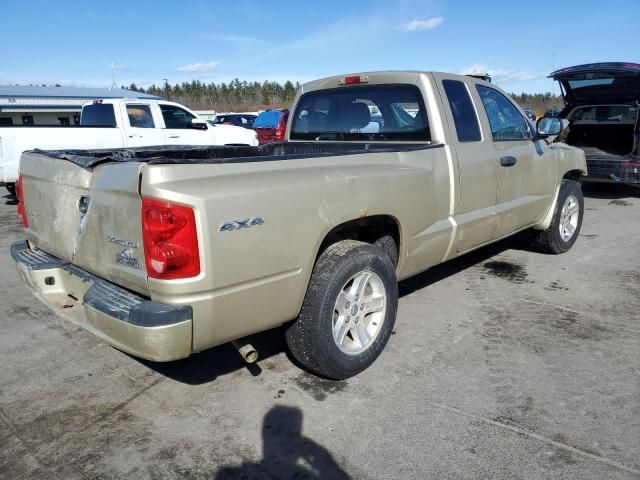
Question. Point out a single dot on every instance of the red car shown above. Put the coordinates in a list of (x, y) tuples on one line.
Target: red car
[(271, 125)]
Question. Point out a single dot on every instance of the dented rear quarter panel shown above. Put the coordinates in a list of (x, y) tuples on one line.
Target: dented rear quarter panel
[(256, 278)]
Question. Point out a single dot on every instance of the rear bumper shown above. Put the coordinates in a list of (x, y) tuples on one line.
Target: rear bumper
[(613, 170), (128, 321)]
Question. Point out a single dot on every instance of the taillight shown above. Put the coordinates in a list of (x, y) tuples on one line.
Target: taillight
[(631, 164), (22, 211), (170, 240), (280, 129)]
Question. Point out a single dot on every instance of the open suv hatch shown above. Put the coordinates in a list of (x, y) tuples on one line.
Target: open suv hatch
[(602, 104)]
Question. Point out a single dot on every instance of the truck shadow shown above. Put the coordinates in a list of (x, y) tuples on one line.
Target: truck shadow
[(468, 260), (207, 366), (613, 191)]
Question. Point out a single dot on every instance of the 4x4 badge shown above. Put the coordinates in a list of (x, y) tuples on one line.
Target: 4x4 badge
[(125, 257), (230, 225)]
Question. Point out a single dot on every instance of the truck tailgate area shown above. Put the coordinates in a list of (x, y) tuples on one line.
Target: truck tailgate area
[(91, 218)]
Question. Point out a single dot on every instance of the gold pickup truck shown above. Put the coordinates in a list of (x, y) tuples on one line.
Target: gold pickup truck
[(167, 251)]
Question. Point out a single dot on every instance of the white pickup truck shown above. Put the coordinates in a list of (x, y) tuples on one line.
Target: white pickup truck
[(117, 123)]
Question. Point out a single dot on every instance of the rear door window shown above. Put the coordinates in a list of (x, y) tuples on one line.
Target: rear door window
[(175, 117), (140, 116), (464, 114), (362, 113), (506, 121), (98, 115)]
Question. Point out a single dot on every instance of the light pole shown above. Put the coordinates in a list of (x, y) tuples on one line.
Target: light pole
[(113, 76), (166, 88)]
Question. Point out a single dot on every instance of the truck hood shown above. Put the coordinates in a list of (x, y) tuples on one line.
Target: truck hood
[(600, 82), (232, 135)]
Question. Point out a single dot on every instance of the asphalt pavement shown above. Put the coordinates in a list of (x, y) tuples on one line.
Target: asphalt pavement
[(504, 364)]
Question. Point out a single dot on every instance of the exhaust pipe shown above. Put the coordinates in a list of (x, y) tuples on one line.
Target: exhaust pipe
[(246, 351)]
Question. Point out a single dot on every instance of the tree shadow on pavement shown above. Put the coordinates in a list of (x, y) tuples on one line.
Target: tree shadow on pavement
[(612, 191), (286, 453)]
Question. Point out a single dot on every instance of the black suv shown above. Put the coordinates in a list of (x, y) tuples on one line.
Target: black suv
[(238, 119), (602, 104)]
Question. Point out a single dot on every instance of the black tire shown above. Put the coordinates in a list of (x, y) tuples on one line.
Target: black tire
[(11, 188), (310, 338), (550, 240)]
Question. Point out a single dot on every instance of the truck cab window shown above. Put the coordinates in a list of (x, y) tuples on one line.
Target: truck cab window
[(504, 118), (175, 117), (362, 113), (464, 114), (140, 116)]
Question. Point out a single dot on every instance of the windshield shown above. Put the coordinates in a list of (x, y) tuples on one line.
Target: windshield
[(241, 120), (221, 119), (98, 115), (374, 113), (268, 119)]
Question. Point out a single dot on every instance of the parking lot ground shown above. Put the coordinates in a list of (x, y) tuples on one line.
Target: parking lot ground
[(505, 363)]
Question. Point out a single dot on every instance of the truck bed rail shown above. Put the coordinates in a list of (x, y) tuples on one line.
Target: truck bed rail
[(188, 154)]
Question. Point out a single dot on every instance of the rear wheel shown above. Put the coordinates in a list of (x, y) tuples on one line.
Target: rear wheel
[(567, 220), (348, 312), (11, 188)]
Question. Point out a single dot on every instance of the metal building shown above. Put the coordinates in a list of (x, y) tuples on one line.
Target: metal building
[(52, 105)]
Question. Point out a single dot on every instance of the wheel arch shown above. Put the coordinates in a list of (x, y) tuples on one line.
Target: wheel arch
[(366, 229), (575, 174)]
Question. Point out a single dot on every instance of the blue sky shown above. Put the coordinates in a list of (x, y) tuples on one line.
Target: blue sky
[(76, 43)]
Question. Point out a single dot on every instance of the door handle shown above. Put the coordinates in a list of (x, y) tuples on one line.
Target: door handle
[(174, 136), (508, 161)]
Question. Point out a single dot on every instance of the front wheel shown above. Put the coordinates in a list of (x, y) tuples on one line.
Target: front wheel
[(567, 220), (348, 312)]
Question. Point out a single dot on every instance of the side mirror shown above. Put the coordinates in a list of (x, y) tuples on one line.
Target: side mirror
[(547, 126), (198, 124)]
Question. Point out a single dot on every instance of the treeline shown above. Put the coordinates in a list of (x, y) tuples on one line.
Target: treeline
[(238, 96), (235, 96), (539, 102)]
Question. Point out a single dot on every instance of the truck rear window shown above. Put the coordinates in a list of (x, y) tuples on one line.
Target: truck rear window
[(362, 113), (98, 115)]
